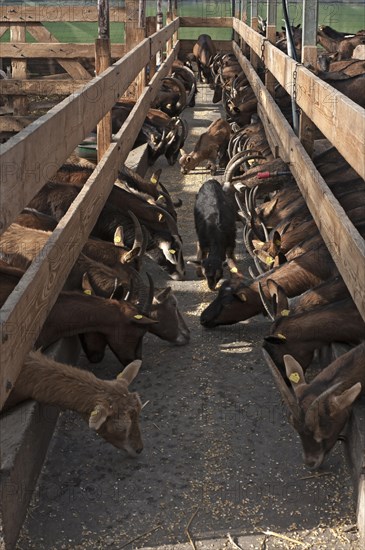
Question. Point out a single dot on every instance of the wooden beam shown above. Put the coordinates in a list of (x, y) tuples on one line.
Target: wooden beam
[(270, 80), (74, 68), (29, 159), (40, 87), (309, 55), (36, 50), (344, 242), (18, 69), (341, 120), (56, 13), (26, 309), (102, 62), (225, 22)]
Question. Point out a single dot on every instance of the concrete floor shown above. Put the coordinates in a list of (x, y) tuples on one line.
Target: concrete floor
[(219, 456)]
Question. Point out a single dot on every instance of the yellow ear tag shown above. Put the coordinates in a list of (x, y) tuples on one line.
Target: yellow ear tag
[(93, 413), (294, 377), (277, 242), (281, 336), (160, 217), (172, 251), (117, 239), (269, 260), (138, 317), (88, 292), (160, 197), (284, 312), (154, 180), (234, 270)]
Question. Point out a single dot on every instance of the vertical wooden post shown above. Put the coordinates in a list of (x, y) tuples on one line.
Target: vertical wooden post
[(244, 18), (271, 36), (169, 18), (102, 62), (151, 29), (309, 55), (254, 58), (159, 25), (19, 69), (133, 36)]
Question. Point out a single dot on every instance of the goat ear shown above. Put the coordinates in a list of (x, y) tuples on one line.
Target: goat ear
[(98, 417), (140, 319), (280, 299), (155, 178), (162, 295), (242, 296), (294, 373), (345, 399), (118, 236), (268, 209), (86, 285), (130, 371)]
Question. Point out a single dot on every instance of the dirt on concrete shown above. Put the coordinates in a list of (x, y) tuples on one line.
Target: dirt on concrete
[(220, 459)]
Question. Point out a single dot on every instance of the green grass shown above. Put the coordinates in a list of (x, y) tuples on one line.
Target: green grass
[(343, 17)]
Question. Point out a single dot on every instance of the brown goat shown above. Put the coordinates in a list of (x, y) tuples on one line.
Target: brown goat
[(319, 410), (302, 333), (211, 146), (121, 324), (110, 409)]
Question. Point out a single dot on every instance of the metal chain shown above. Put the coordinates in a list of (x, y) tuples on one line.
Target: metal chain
[(295, 76), (264, 69)]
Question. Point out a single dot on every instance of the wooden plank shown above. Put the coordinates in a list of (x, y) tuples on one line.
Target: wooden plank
[(36, 50), (31, 157), (224, 22), (3, 29), (40, 87), (159, 39), (133, 36), (104, 127), (341, 120), (55, 13), (19, 70), (74, 68), (309, 56), (270, 80), (26, 309), (345, 244)]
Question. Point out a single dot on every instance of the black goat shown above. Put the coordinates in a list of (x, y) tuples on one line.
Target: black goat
[(215, 227)]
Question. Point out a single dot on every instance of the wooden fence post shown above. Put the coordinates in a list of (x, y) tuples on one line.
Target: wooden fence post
[(254, 58), (309, 55), (102, 62), (271, 36), (19, 70), (133, 36)]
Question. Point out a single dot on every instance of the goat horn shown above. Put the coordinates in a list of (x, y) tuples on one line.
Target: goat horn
[(138, 239), (285, 392), (258, 265), (242, 209), (246, 239), (171, 223), (266, 233), (147, 307), (265, 302)]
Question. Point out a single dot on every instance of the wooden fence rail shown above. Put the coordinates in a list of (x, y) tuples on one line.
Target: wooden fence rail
[(341, 120), (26, 168)]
